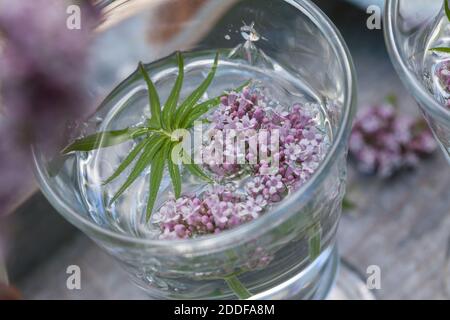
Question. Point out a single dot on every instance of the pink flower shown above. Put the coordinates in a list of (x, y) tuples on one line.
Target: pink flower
[(42, 68), (443, 74), (301, 149), (383, 141), (259, 259)]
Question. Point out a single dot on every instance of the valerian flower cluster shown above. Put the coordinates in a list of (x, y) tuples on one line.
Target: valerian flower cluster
[(384, 141), (302, 146)]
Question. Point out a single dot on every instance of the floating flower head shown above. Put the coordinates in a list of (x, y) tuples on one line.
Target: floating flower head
[(301, 148), (218, 209)]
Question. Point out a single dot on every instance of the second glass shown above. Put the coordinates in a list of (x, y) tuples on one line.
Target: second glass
[(412, 28)]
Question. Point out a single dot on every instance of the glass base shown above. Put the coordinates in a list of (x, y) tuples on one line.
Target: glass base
[(349, 285), (313, 283)]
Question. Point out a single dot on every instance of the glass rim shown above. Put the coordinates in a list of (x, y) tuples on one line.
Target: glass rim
[(415, 87), (266, 222)]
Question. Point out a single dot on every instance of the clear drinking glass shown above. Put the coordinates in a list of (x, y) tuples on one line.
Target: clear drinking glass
[(410, 27), (290, 251)]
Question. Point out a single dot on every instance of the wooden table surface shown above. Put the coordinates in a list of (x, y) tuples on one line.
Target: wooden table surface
[(401, 225)]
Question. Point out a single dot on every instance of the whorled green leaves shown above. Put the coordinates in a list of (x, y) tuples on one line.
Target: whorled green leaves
[(155, 147)]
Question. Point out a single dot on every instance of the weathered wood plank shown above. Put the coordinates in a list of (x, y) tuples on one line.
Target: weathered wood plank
[(401, 225)]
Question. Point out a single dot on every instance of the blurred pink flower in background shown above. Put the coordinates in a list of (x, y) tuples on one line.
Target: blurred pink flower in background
[(42, 69), (384, 141)]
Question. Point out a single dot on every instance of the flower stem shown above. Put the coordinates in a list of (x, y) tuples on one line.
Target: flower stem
[(315, 242), (237, 287)]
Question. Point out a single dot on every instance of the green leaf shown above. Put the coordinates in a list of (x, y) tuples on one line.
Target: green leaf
[(104, 139), (202, 108), (155, 104), (172, 100), (392, 100), (174, 172), (237, 287), (441, 49), (196, 113), (193, 168), (347, 204), (145, 159), (193, 98), (197, 171), (447, 9), (156, 175), (131, 156), (156, 148)]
